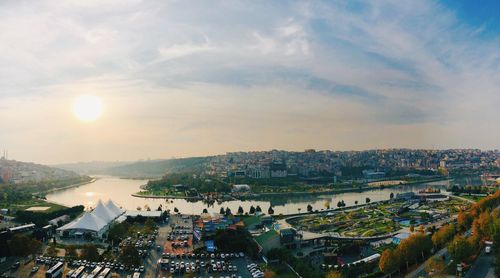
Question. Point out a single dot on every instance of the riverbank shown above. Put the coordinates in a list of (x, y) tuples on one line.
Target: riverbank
[(165, 197), (342, 190), (92, 180), (254, 196)]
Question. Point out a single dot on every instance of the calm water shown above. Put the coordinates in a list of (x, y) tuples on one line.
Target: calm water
[(120, 190)]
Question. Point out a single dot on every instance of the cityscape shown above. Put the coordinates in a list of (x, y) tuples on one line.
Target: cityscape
[(249, 139)]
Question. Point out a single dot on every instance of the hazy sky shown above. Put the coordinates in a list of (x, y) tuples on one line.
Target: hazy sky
[(186, 78)]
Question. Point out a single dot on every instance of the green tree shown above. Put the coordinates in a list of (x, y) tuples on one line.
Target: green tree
[(240, 210), (89, 252), (460, 249), (21, 245), (258, 209), (309, 208), (270, 211), (222, 211), (368, 200), (129, 256), (252, 210)]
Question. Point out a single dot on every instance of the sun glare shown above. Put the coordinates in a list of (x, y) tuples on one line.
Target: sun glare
[(87, 108)]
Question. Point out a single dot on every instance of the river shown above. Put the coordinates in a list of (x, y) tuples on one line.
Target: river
[(120, 190)]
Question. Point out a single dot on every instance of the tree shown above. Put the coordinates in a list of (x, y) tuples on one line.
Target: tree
[(222, 211), (270, 210), (460, 249), (334, 274), (443, 235), (252, 210), (367, 200), (21, 245), (89, 252), (436, 267), (228, 211), (258, 209), (118, 231), (309, 208), (391, 196), (464, 220), (389, 261), (176, 210), (356, 202), (205, 210), (240, 210), (129, 256), (149, 226), (71, 251), (51, 250)]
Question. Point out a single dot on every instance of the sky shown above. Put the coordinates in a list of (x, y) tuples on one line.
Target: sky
[(194, 78)]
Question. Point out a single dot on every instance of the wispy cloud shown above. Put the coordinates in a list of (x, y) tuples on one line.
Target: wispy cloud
[(331, 70)]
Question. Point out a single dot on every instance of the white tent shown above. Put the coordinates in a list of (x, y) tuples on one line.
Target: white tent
[(104, 213), (88, 222), (113, 207)]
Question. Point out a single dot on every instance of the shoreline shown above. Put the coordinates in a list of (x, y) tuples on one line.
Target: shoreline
[(333, 191), (93, 179)]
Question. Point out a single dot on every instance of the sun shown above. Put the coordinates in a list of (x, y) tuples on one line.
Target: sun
[(87, 108)]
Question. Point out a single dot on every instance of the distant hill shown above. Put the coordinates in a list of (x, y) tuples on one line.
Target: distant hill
[(92, 167), (158, 168), (18, 172)]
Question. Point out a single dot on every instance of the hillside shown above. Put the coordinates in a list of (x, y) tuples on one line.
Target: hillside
[(157, 168), (91, 167), (18, 172)]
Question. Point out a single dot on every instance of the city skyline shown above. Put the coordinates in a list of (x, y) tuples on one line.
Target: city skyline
[(183, 79)]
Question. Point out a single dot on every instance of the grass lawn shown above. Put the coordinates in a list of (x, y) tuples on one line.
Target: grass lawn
[(23, 205)]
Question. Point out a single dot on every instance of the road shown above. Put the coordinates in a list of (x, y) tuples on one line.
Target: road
[(482, 267), (420, 271)]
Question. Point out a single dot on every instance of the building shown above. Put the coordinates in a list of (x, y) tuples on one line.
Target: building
[(278, 170), (95, 223), (241, 187)]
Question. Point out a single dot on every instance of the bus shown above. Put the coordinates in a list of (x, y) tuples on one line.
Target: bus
[(106, 273), (55, 271), (136, 275), (95, 272), (78, 272)]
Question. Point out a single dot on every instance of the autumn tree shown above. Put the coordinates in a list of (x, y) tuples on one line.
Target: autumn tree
[(443, 235), (334, 274), (436, 267), (389, 261)]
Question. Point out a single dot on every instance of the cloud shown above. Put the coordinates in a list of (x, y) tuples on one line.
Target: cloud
[(321, 73)]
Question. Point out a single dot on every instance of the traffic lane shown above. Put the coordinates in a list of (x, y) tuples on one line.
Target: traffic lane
[(155, 255), (481, 267)]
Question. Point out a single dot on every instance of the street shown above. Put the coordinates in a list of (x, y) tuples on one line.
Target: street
[(482, 267)]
